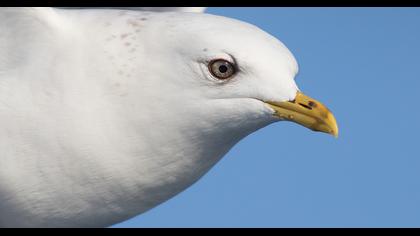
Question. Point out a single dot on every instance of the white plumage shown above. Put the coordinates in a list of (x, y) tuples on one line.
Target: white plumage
[(106, 113)]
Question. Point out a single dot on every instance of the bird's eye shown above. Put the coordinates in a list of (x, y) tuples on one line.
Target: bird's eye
[(221, 69)]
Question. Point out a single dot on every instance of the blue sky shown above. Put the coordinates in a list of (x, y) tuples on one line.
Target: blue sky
[(364, 64)]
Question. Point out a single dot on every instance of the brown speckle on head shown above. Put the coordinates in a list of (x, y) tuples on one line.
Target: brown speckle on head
[(123, 36), (205, 50), (132, 50), (143, 19), (107, 24), (127, 44)]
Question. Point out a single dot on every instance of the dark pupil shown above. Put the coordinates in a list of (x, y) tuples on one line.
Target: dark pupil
[(223, 68)]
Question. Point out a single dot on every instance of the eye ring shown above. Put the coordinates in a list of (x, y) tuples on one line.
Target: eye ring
[(221, 69)]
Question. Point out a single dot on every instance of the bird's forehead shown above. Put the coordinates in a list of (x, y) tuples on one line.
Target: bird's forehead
[(206, 34)]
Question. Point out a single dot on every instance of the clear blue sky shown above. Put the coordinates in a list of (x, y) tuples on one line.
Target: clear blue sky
[(364, 63)]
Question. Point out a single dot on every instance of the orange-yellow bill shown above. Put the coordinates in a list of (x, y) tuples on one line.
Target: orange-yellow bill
[(308, 112)]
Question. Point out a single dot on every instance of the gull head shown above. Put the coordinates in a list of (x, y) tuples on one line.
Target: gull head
[(233, 70)]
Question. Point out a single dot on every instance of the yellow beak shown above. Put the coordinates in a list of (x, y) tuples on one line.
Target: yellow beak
[(307, 112)]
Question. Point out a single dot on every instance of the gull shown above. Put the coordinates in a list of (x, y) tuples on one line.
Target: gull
[(106, 113)]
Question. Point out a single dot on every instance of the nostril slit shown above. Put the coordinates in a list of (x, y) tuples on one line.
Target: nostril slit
[(312, 104), (305, 106)]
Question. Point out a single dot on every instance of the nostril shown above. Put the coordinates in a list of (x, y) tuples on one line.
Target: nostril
[(311, 104), (305, 106)]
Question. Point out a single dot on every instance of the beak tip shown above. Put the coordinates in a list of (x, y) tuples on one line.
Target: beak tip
[(334, 131)]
